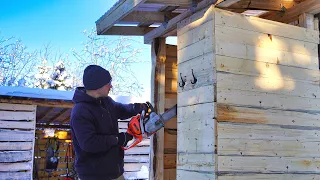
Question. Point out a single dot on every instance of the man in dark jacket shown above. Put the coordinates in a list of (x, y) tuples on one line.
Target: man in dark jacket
[(94, 126)]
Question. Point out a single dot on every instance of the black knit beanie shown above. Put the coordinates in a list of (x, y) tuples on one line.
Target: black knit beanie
[(95, 77)]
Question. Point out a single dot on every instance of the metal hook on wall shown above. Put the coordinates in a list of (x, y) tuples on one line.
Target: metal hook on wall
[(183, 81), (194, 78)]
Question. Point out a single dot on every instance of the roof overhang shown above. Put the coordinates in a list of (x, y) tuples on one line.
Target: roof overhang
[(159, 18)]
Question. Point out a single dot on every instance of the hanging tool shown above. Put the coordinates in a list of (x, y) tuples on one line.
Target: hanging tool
[(147, 123)]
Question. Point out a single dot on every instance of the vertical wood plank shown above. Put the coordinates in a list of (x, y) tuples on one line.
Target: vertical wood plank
[(307, 21), (316, 23), (34, 135), (158, 99)]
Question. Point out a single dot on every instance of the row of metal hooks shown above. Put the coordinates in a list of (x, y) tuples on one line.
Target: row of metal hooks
[(183, 82)]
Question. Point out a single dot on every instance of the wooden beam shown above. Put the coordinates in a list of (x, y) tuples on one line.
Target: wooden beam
[(172, 24), (46, 113), (128, 31), (306, 20), (58, 126), (119, 11), (184, 3), (44, 103), (225, 3), (316, 23), (65, 120), (158, 98), (57, 116), (274, 5), (293, 13), (148, 17)]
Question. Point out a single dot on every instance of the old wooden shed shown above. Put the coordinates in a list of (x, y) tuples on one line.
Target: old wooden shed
[(24, 115), (245, 75)]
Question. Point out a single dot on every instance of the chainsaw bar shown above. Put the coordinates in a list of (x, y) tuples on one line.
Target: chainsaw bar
[(166, 116), (157, 122)]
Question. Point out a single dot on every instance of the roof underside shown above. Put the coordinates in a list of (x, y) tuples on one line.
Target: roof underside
[(158, 18)]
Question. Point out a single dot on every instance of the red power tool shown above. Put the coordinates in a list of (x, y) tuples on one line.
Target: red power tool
[(147, 123)]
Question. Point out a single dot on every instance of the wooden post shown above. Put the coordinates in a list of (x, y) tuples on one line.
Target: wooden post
[(316, 23), (158, 99), (307, 21)]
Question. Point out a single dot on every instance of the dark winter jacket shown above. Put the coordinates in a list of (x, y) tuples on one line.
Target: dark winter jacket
[(94, 127)]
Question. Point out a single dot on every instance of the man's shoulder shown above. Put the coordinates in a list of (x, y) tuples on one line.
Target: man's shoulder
[(81, 107)]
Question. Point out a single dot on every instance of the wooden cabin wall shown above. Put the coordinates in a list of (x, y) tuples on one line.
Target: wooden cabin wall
[(268, 99), (17, 134), (254, 111), (170, 129), (196, 147)]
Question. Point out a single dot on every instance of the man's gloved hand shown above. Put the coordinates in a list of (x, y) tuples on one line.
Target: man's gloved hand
[(139, 107), (124, 138)]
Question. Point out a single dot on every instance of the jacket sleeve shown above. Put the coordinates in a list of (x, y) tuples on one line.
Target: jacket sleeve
[(126, 111), (88, 139)]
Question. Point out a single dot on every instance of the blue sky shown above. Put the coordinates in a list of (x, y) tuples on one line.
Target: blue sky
[(61, 23)]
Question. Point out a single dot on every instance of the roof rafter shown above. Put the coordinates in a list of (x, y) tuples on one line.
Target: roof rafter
[(185, 3), (128, 30), (292, 14), (148, 17), (168, 27), (225, 3), (119, 11), (275, 5)]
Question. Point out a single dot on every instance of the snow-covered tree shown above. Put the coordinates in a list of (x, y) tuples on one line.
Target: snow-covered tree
[(60, 78), (43, 75), (16, 63), (116, 56), (53, 77)]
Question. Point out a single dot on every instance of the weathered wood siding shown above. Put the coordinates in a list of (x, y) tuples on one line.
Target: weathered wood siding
[(17, 134), (254, 111)]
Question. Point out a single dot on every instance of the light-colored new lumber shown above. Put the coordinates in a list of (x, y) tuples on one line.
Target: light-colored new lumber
[(266, 132), (226, 18), (257, 68), (251, 115), (196, 96), (253, 176), (200, 68), (274, 83), (185, 174), (267, 164), (266, 100), (198, 119), (244, 147)]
